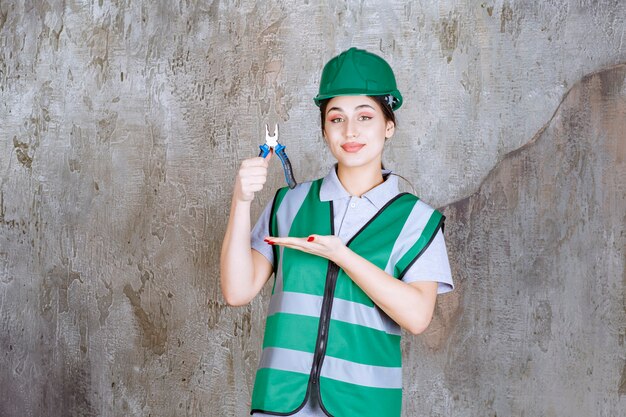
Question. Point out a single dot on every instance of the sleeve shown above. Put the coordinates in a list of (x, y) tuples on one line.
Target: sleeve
[(259, 231), (432, 265)]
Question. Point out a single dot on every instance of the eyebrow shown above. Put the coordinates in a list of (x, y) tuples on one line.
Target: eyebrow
[(356, 108)]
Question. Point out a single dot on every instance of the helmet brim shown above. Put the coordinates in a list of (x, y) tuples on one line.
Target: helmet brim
[(396, 94)]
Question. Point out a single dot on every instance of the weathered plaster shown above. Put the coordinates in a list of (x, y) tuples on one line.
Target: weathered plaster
[(538, 325), (123, 124)]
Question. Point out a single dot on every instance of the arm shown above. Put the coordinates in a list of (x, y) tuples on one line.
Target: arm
[(243, 271), (409, 305)]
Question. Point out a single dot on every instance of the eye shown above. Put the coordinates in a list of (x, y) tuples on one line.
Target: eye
[(336, 119), (364, 117)]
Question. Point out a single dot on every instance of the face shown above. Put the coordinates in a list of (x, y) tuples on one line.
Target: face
[(355, 130)]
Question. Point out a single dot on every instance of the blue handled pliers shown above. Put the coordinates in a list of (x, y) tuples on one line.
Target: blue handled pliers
[(272, 142)]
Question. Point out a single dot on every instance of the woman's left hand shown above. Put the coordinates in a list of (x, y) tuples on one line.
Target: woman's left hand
[(325, 246), (409, 305)]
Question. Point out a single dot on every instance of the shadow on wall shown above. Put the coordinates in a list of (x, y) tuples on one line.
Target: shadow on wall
[(537, 325)]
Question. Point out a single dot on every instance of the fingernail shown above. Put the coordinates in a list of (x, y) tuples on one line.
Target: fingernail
[(310, 239)]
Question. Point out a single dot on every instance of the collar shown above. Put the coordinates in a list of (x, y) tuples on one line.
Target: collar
[(332, 189)]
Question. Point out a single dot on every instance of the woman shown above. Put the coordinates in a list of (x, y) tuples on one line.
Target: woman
[(354, 260)]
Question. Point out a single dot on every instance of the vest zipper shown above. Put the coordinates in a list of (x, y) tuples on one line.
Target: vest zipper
[(327, 304), (322, 333)]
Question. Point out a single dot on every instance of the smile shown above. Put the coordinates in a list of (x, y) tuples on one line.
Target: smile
[(352, 147)]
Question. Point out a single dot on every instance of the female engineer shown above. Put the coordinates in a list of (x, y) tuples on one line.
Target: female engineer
[(354, 259)]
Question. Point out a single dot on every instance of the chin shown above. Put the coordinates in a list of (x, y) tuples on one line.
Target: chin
[(354, 162)]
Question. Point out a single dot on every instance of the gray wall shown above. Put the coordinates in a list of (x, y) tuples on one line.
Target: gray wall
[(123, 124)]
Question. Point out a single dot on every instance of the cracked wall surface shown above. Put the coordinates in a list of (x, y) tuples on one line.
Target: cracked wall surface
[(124, 122), (539, 253)]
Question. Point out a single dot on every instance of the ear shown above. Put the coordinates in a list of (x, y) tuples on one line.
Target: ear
[(391, 128)]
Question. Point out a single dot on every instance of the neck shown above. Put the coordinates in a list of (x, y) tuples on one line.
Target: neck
[(359, 180)]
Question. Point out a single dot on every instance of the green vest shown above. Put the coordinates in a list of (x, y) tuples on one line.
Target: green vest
[(323, 332)]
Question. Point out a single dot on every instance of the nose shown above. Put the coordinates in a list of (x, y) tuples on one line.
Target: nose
[(351, 129)]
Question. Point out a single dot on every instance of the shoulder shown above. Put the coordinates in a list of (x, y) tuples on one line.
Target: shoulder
[(286, 195), (302, 187), (420, 218), (419, 229), (416, 204)]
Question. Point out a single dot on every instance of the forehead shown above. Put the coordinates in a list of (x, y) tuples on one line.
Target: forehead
[(348, 103)]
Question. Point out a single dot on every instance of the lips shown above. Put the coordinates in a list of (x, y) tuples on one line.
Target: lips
[(352, 147)]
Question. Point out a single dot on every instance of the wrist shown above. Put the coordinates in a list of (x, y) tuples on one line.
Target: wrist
[(239, 202), (240, 196), (342, 256)]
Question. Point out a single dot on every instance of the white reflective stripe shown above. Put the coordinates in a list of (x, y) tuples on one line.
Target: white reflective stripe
[(333, 368), (290, 206), (359, 374), (295, 303), (343, 310), (411, 231), (356, 313), (286, 360)]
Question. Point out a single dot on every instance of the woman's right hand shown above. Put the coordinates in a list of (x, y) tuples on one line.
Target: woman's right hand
[(243, 271), (251, 177)]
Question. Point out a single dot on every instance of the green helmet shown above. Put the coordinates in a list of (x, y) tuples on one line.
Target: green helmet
[(356, 72)]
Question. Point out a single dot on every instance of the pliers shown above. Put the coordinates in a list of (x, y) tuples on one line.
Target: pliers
[(272, 142)]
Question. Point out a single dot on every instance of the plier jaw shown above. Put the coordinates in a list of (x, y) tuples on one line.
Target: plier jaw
[(271, 142)]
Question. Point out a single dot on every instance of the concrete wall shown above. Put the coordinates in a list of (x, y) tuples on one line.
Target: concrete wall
[(539, 251), (123, 124)]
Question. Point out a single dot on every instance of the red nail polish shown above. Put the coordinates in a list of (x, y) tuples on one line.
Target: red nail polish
[(310, 239)]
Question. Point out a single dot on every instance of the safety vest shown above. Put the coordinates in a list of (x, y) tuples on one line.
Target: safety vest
[(322, 331)]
